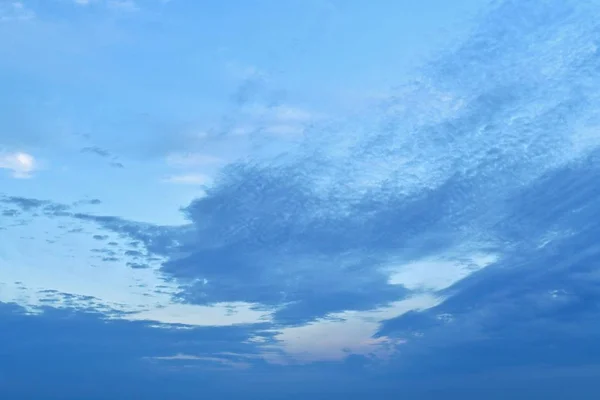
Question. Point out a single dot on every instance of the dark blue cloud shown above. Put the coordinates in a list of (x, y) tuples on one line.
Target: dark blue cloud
[(311, 230), (10, 213), (539, 305), (80, 353), (135, 265), (490, 150), (46, 207), (301, 234), (24, 203)]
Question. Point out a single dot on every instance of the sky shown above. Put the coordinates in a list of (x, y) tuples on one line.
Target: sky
[(316, 199)]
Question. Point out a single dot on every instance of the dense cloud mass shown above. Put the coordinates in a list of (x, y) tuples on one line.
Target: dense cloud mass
[(441, 241), (445, 163)]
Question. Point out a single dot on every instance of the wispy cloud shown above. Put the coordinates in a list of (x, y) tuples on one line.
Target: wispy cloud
[(279, 121), (103, 153), (15, 11), (188, 179), (121, 5), (97, 151), (223, 361), (187, 160), (116, 164)]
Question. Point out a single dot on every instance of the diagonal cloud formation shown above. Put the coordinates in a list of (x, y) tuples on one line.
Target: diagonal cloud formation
[(539, 305), (310, 231), (446, 168)]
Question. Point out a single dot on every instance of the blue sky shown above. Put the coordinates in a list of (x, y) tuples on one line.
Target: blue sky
[(299, 199)]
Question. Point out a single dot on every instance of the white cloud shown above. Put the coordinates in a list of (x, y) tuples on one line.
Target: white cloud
[(438, 273), (281, 121), (210, 359), (284, 130), (220, 314), (143, 305), (21, 165), (124, 5), (188, 179), (113, 289), (340, 334)]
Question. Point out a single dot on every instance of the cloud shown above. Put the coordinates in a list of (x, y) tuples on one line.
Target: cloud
[(536, 305), (440, 274), (110, 352), (47, 208), (123, 5), (224, 314), (97, 151), (188, 179), (21, 165), (218, 360), (471, 189), (188, 160), (342, 334), (88, 202), (34, 206), (24, 203), (279, 121), (103, 153), (140, 295), (117, 164), (120, 5), (10, 213), (422, 197), (14, 10)]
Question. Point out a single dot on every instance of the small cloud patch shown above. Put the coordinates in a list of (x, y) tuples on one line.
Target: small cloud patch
[(20, 165)]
